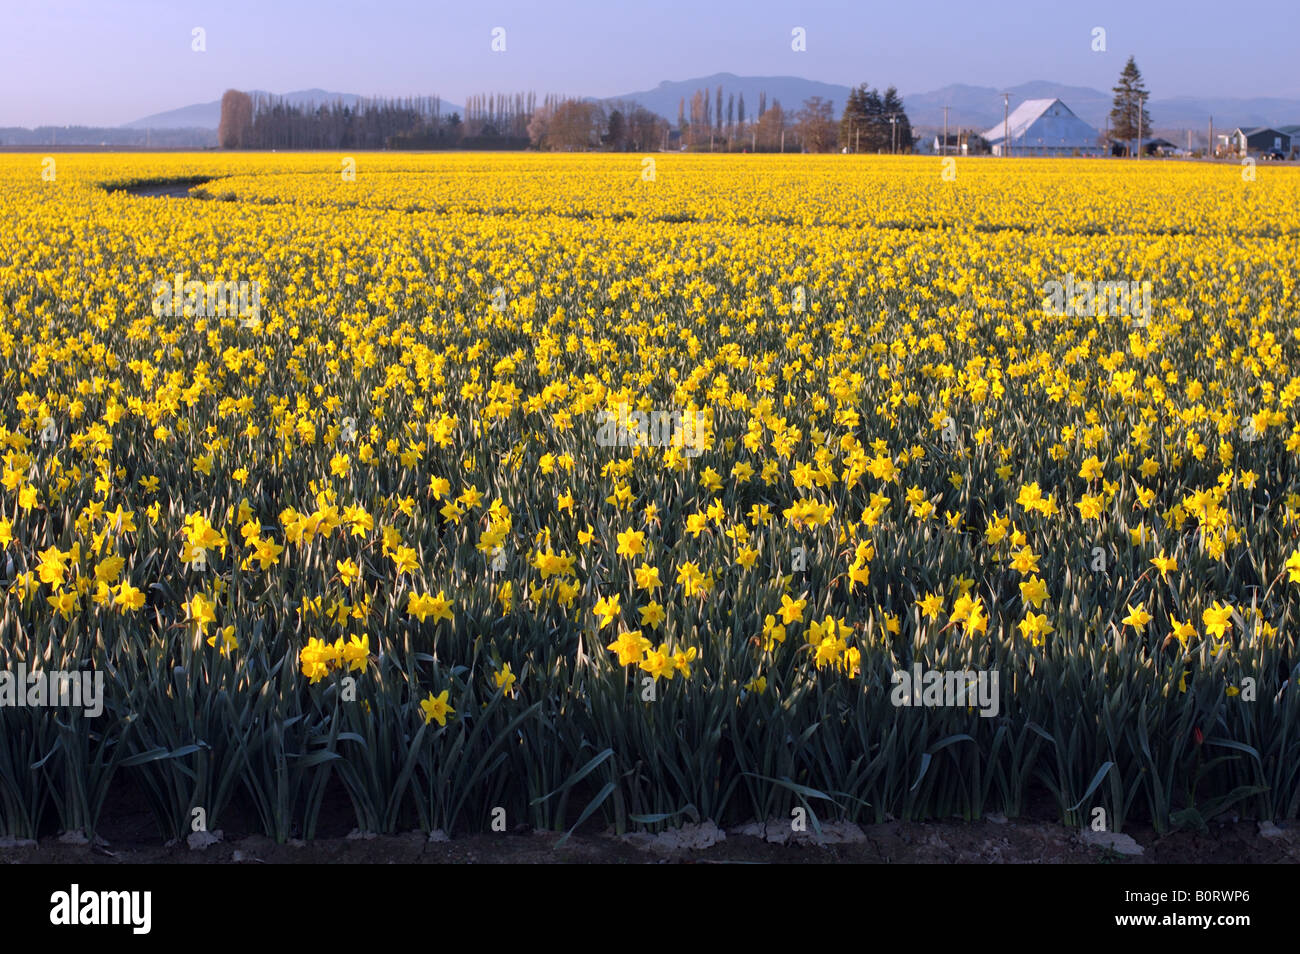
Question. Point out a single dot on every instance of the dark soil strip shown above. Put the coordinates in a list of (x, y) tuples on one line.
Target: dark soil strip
[(985, 842), (162, 188)]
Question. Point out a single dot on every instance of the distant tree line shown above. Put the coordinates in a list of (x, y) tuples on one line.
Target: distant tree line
[(569, 124), (870, 122), (109, 136), (704, 124), (499, 114), (491, 121), (271, 122)]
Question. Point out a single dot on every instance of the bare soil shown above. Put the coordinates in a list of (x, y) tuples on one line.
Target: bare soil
[(1013, 842)]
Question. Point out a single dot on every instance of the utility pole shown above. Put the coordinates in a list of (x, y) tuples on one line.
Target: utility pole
[(1139, 155), (1209, 148), (1006, 128), (944, 149)]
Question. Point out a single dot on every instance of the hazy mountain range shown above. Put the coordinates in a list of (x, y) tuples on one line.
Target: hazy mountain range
[(974, 107)]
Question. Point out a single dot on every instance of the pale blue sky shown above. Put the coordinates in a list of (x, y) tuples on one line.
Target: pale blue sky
[(100, 62)]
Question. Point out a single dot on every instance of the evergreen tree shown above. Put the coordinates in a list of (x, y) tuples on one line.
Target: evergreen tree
[(617, 131), (865, 123), (892, 106), (854, 118), (875, 134), (1129, 102)]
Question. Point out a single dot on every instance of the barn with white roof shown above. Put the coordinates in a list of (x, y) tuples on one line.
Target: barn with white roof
[(1044, 127)]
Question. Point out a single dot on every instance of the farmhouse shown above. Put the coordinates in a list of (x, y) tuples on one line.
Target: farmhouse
[(1292, 133), (1251, 142), (1151, 146), (955, 145), (1044, 127)]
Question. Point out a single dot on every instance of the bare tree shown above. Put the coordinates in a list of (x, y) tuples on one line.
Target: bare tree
[(236, 120), (645, 129), (816, 125), (699, 119), (568, 124), (771, 126), (539, 125)]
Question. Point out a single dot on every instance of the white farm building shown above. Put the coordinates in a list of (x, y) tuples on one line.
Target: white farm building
[(1044, 127)]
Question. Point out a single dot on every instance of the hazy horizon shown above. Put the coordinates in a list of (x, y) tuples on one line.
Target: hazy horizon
[(79, 63)]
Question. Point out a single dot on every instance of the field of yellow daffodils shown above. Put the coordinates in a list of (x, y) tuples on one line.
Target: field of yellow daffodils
[(473, 491)]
